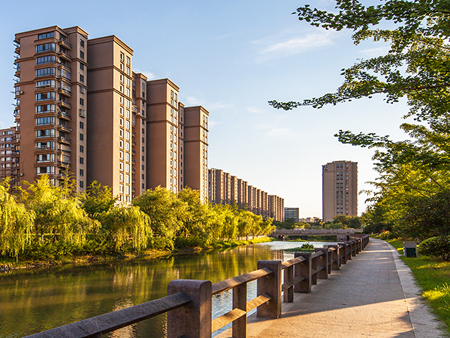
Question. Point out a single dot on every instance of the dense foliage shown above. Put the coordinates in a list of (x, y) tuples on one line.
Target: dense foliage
[(436, 247), (44, 221), (411, 195)]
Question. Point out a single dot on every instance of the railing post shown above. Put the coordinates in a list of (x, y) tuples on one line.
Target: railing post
[(349, 250), (344, 252), (270, 284), (194, 319), (314, 264), (288, 296), (335, 257), (354, 250), (323, 261), (303, 269), (240, 302)]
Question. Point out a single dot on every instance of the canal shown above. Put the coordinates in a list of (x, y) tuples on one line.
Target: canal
[(32, 301)]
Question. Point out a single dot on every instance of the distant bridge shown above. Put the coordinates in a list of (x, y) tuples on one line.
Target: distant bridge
[(340, 233)]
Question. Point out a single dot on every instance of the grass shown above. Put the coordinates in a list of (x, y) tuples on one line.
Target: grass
[(433, 276)]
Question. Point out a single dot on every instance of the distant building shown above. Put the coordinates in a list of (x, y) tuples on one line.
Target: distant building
[(291, 214), (226, 188), (339, 189)]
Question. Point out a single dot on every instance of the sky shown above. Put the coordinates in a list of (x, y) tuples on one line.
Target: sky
[(232, 57)]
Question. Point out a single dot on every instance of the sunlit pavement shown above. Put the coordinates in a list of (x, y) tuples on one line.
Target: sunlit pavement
[(373, 295)]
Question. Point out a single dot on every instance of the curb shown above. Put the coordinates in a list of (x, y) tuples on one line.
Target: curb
[(425, 324)]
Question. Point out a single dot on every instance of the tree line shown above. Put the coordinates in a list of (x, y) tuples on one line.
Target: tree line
[(44, 221)]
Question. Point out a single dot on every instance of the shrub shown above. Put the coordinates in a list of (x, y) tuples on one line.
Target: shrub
[(385, 235), (436, 247)]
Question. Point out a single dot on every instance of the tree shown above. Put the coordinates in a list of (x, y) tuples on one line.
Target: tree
[(166, 213), (412, 172), (97, 199), (58, 215), (126, 227), (416, 65), (16, 223)]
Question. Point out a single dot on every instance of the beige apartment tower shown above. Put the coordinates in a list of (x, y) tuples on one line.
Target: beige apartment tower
[(51, 100), (339, 189)]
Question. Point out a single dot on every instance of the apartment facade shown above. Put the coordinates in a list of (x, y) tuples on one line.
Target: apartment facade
[(51, 100), (339, 189), (226, 188), (9, 152), (81, 110), (292, 214)]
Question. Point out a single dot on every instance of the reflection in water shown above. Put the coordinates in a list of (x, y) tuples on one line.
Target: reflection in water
[(44, 299)]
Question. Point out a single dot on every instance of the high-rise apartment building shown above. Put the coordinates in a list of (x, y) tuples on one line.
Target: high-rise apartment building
[(9, 165), (82, 110), (51, 101), (339, 189), (195, 160), (226, 188)]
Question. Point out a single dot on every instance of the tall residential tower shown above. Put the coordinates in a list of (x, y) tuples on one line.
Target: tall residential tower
[(339, 189)]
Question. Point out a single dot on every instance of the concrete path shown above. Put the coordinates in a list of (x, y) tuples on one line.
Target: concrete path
[(373, 295)]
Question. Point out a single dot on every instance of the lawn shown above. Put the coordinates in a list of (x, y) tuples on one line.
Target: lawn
[(433, 275)]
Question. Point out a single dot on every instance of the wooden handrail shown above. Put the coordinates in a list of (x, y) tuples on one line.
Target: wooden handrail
[(108, 322), (189, 303)]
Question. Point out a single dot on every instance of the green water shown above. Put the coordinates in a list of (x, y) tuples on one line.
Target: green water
[(37, 300)]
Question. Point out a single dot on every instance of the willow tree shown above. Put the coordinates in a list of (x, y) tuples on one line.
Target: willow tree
[(126, 228), (165, 211), (59, 217), (16, 223)]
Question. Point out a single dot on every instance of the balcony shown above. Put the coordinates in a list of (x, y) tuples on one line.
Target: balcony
[(64, 128), (63, 164), (15, 141), (64, 104), (64, 140), (65, 91), (65, 43), (64, 66), (64, 56), (63, 115), (42, 148)]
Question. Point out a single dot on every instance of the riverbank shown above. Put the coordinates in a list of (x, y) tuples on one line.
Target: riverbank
[(432, 274), (8, 264)]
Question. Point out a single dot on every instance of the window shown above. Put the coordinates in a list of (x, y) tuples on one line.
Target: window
[(82, 90), (81, 78), (45, 96), (128, 70), (45, 72), (81, 137), (128, 61), (81, 172), (81, 43), (120, 177), (45, 47), (81, 160), (121, 111), (81, 149), (121, 155), (122, 56), (82, 54), (121, 144), (81, 184), (121, 122), (45, 59), (46, 35), (81, 66), (81, 101), (40, 121), (45, 83), (45, 133)]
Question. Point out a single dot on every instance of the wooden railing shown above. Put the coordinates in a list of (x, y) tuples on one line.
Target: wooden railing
[(189, 302)]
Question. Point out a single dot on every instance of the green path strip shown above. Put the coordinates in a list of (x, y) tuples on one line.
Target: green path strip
[(433, 276)]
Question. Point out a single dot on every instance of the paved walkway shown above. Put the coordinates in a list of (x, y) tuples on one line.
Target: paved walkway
[(373, 295)]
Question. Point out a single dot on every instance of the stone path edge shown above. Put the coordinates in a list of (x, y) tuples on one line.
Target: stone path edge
[(425, 324)]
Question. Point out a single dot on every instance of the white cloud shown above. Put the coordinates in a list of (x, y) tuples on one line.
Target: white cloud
[(373, 52), (194, 101), (281, 132), (150, 75), (254, 110), (273, 48)]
